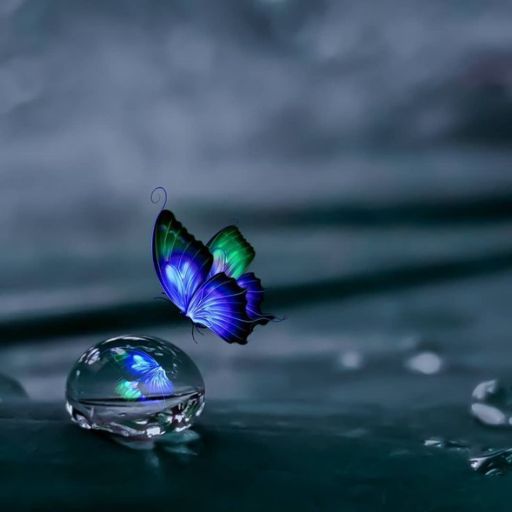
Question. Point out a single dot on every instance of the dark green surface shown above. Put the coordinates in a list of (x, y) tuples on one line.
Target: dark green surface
[(297, 431), (286, 427), (279, 459)]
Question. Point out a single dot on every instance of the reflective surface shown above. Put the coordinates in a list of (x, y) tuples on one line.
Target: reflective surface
[(137, 387)]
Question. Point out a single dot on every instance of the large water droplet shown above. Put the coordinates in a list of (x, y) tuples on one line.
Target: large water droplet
[(492, 404), (137, 387)]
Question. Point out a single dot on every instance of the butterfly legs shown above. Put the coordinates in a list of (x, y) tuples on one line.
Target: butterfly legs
[(199, 329)]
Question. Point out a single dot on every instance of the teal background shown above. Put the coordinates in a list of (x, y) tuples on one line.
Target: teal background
[(363, 148)]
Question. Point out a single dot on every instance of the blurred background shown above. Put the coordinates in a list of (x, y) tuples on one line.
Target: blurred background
[(363, 148)]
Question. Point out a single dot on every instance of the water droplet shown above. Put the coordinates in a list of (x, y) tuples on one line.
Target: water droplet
[(11, 389), (485, 390), (350, 360), (448, 444), (492, 462), (137, 387), (426, 363), (492, 404), (488, 415)]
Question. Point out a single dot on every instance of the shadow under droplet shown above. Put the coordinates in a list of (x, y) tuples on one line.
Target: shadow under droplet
[(185, 443)]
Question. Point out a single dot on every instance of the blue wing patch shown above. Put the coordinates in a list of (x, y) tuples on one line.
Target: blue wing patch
[(181, 262), (220, 305)]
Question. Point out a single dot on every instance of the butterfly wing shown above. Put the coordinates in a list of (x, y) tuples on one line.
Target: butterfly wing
[(220, 305), (231, 252), (181, 262), (254, 297)]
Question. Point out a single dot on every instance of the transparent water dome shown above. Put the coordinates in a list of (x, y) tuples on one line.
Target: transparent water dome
[(136, 387)]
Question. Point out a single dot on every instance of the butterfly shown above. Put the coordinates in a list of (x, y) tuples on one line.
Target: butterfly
[(209, 283)]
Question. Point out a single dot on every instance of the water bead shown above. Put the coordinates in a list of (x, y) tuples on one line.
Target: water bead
[(136, 387), (424, 362), (491, 403), (492, 462), (11, 389)]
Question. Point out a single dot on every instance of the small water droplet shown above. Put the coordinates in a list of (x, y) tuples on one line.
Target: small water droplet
[(136, 387), (492, 462), (11, 389), (426, 363), (350, 360), (488, 415), (448, 444), (492, 404), (485, 390)]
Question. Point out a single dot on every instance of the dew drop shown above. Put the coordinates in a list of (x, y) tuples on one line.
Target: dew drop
[(447, 444), (426, 363), (11, 389), (491, 404), (350, 360), (488, 415), (492, 462), (136, 387)]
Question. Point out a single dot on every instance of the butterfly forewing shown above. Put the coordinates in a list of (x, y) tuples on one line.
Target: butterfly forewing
[(220, 305), (231, 252), (182, 263)]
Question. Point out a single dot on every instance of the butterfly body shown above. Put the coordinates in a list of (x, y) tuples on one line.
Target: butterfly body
[(208, 284)]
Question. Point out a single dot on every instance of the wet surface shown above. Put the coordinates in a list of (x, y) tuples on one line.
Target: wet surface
[(286, 455), (294, 417)]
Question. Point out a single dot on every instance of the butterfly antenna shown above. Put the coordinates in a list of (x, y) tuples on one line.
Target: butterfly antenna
[(157, 194), (193, 337)]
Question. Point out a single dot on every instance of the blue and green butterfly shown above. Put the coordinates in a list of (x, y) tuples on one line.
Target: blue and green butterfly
[(209, 283)]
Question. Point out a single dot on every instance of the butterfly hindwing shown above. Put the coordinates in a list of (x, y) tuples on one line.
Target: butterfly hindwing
[(254, 297), (220, 304), (182, 263), (231, 252)]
